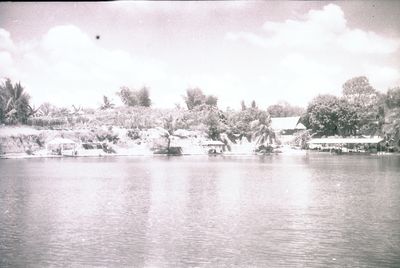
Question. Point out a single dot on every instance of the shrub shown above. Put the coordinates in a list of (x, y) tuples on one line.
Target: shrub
[(103, 135), (133, 134)]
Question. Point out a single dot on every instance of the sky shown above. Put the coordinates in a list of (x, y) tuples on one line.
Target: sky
[(267, 51)]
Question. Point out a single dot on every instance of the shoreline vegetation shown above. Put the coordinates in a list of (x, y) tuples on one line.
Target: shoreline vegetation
[(23, 142), (138, 129)]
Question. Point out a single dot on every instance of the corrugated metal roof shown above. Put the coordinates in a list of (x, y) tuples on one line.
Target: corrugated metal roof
[(345, 140), (61, 141), (281, 123)]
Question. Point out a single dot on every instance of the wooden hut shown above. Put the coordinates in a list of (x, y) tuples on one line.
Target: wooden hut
[(213, 147), (62, 146), (285, 128)]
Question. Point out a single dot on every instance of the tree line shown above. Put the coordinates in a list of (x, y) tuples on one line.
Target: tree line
[(359, 110)]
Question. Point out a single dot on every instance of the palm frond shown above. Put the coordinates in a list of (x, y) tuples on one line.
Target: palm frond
[(18, 91), (9, 103)]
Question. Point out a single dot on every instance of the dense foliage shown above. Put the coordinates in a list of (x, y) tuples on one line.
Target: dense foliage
[(391, 121), (14, 103), (131, 97), (360, 110), (195, 97), (284, 109), (322, 115)]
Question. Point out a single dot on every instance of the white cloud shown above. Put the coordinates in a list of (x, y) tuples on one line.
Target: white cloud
[(5, 41), (66, 38), (318, 53), (382, 76), (331, 17), (291, 60), (174, 7), (297, 79), (7, 48), (358, 41), (66, 67), (6, 62), (250, 37), (319, 29)]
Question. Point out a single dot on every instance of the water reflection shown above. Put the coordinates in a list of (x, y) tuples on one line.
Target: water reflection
[(168, 195), (229, 184), (315, 211)]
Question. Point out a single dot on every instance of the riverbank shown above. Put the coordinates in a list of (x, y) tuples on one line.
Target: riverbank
[(26, 156), (27, 142), (285, 152)]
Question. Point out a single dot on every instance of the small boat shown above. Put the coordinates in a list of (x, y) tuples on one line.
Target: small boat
[(91, 149), (69, 153), (214, 152)]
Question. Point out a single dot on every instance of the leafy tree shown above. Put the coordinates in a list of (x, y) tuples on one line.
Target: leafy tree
[(211, 100), (253, 104), (360, 111), (128, 96), (365, 100), (391, 121), (330, 115), (132, 97), (143, 97), (284, 109), (14, 103), (194, 97), (239, 123), (358, 91), (214, 124), (107, 104), (392, 98), (276, 110), (322, 115), (347, 118), (243, 105)]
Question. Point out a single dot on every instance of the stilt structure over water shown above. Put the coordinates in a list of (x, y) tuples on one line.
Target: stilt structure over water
[(357, 145)]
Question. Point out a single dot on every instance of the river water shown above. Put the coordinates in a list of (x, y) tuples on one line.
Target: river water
[(316, 210)]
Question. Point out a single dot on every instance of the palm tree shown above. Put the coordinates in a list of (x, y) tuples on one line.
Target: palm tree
[(16, 102), (107, 104), (32, 111), (262, 131), (2, 105)]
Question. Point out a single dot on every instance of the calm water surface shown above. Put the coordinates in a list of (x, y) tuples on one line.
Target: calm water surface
[(276, 211)]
